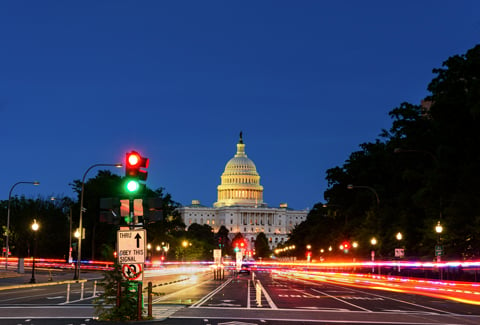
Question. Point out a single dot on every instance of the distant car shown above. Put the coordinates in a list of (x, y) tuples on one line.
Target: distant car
[(245, 269)]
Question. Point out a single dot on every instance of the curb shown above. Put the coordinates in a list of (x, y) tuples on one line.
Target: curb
[(33, 285)]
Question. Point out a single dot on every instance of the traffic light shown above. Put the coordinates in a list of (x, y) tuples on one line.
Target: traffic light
[(345, 246), (134, 171)]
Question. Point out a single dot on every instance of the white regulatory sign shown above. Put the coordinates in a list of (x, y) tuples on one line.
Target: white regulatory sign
[(131, 246)]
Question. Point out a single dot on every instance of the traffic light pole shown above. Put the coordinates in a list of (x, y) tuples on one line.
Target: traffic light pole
[(131, 213)]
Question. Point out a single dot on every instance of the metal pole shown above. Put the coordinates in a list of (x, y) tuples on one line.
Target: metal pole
[(8, 218), (82, 289), (139, 301), (150, 287), (70, 239), (80, 224), (68, 293), (32, 280)]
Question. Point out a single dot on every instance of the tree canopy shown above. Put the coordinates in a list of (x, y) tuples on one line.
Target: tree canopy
[(424, 169)]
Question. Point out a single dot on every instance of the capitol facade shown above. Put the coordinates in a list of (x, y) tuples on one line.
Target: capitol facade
[(240, 207)]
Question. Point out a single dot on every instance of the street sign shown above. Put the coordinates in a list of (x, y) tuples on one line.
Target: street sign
[(239, 258), (131, 246), (399, 252), (217, 256), (438, 250), (132, 272)]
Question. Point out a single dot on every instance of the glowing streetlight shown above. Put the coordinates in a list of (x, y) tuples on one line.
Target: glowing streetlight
[(399, 236), (438, 228), (35, 227)]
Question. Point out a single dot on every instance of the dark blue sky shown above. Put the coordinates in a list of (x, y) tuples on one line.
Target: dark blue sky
[(306, 81)]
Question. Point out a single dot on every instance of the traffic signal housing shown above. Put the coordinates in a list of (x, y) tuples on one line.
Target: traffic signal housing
[(135, 172), (134, 165), (345, 246)]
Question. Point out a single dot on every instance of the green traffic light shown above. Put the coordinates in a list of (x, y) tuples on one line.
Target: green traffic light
[(132, 186)]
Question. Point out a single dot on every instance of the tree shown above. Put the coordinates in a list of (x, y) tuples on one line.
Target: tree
[(424, 168), (221, 238), (102, 236), (53, 236), (262, 249)]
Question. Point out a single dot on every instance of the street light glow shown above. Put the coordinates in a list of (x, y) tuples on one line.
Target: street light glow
[(438, 228), (35, 225)]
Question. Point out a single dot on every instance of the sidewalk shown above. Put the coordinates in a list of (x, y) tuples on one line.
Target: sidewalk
[(11, 279)]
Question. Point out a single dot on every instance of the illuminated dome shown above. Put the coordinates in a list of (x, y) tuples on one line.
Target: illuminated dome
[(240, 182)]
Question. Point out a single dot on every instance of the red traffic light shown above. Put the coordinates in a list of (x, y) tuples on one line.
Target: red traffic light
[(345, 246), (133, 159), (133, 164)]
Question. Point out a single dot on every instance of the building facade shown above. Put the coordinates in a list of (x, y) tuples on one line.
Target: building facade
[(240, 207)]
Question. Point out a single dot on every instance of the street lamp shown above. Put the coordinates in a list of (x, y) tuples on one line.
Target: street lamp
[(351, 187), (80, 225), (35, 227), (400, 252), (399, 236), (8, 218), (438, 249), (373, 241)]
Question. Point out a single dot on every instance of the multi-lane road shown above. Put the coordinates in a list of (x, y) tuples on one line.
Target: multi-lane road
[(192, 296)]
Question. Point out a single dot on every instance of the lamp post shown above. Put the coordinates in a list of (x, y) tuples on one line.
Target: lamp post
[(351, 187), (35, 227), (400, 253), (439, 248), (185, 245), (8, 218), (80, 224), (373, 241)]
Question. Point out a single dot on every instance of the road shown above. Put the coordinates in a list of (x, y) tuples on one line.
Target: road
[(192, 296)]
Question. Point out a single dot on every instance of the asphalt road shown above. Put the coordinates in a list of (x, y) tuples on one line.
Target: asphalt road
[(194, 297)]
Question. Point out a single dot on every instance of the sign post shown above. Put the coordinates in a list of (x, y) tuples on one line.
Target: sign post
[(131, 256)]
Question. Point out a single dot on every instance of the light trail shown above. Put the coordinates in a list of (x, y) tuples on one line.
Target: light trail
[(465, 292)]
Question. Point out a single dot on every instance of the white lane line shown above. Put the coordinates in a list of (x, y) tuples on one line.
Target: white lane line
[(387, 298), (211, 294), (344, 301), (267, 296), (401, 301), (248, 294)]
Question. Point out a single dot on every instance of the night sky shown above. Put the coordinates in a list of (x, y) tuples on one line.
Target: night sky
[(306, 81)]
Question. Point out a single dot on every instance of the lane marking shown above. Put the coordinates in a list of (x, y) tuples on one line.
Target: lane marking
[(267, 296), (345, 302), (248, 294), (211, 294), (403, 301), (394, 299)]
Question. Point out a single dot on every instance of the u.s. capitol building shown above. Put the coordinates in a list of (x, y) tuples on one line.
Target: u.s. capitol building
[(240, 207)]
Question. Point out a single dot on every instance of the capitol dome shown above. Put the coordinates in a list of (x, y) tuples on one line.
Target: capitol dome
[(240, 182)]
